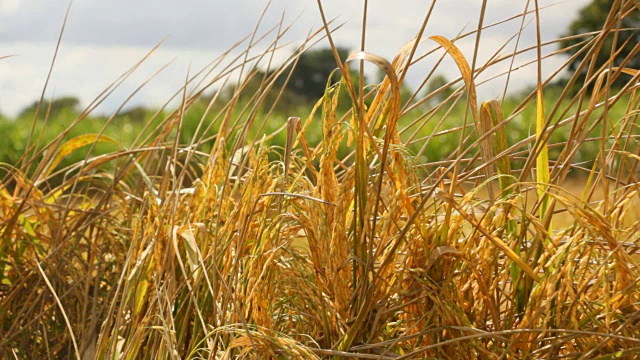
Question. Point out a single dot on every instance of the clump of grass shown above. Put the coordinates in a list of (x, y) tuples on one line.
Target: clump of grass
[(160, 250)]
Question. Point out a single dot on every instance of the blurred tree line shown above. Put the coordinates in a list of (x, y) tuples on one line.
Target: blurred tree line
[(592, 18), (307, 81)]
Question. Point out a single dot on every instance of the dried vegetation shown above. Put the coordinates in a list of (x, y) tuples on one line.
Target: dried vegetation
[(161, 251)]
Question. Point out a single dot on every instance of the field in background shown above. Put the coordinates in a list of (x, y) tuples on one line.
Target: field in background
[(126, 129), (369, 225)]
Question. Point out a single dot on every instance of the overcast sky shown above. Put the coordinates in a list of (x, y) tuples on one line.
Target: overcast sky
[(105, 38)]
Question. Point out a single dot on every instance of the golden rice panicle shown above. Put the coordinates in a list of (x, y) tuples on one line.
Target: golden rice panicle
[(332, 134), (339, 252), (212, 180)]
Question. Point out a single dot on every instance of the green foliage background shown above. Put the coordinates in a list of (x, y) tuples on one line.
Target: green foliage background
[(129, 125)]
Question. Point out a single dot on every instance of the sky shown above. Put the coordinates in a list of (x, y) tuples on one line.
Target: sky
[(104, 39)]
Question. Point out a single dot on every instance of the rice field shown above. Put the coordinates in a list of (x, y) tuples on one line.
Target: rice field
[(503, 249)]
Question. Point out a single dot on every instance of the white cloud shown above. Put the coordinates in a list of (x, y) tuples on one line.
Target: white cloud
[(10, 7), (85, 71)]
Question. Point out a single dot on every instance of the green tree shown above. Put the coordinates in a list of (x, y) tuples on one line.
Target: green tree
[(306, 85), (136, 114), (55, 107), (593, 18), (435, 83), (314, 67)]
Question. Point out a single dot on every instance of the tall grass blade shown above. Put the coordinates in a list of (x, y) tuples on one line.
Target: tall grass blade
[(542, 150), (70, 146)]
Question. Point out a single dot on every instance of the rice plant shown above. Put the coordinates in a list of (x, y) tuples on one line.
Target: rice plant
[(267, 250)]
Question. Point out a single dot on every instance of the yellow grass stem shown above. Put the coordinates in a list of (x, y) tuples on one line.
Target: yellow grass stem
[(542, 159)]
